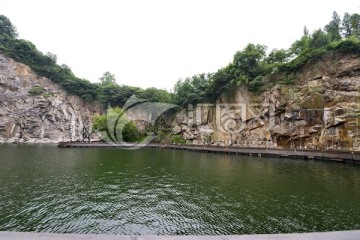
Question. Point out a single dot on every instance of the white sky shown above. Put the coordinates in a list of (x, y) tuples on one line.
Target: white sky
[(155, 42)]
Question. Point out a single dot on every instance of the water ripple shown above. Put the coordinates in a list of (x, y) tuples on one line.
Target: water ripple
[(172, 192)]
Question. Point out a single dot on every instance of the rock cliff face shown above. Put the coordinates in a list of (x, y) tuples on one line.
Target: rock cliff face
[(320, 111), (34, 109)]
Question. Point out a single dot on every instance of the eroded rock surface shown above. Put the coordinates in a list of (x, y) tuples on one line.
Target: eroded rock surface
[(34, 109), (320, 111)]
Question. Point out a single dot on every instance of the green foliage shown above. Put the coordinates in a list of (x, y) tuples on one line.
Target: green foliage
[(333, 29), (107, 79), (169, 138), (36, 90), (249, 62), (256, 84), (7, 28), (248, 68), (130, 132), (100, 123), (300, 45), (222, 80), (304, 57), (355, 25), (114, 94), (154, 95), (346, 30), (250, 65), (318, 39), (192, 90), (311, 48), (277, 56), (177, 139), (348, 45)]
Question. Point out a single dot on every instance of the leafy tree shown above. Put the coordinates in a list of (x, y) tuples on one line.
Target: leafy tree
[(319, 39), (107, 79), (154, 95), (201, 83), (130, 132), (277, 56), (126, 92), (222, 80), (299, 45), (346, 26), (355, 24), (7, 28), (193, 89), (184, 92), (52, 58), (115, 94), (333, 28), (248, 62)]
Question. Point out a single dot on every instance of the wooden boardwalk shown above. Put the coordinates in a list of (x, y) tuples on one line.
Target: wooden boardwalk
[(338, 156)]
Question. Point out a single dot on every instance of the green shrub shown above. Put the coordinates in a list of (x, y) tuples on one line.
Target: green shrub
[(177, 139), (348, 45), (36, 90), (255, 84), (129, 131)]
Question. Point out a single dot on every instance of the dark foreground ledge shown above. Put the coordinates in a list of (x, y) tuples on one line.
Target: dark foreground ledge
[(342, 235), (337, 156)]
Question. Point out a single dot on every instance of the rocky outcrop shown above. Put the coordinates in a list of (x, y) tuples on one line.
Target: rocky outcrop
[(34, 109), (320, 111)]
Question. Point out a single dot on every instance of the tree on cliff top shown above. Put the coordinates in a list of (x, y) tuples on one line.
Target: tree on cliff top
[(7, 28), (107, 79), (333, 28)]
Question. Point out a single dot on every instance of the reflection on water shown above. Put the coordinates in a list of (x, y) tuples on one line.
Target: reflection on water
[(153, 191)]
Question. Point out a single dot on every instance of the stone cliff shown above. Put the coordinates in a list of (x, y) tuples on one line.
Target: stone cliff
[(34, 109), (320, 110)]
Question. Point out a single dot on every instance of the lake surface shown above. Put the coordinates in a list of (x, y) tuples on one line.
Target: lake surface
[(152, 191)]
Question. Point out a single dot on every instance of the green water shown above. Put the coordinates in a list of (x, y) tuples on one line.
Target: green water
[(147, 191)]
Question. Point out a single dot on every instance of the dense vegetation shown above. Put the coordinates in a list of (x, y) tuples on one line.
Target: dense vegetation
[(129, 131)]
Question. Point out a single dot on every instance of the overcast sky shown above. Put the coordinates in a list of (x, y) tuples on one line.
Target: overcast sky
[(155, 42)]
